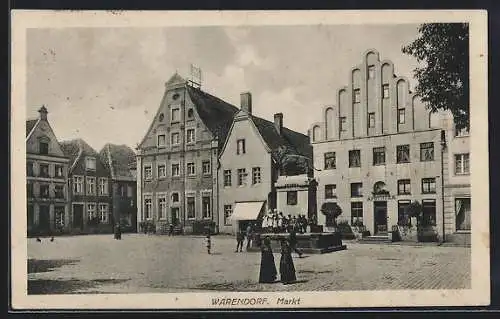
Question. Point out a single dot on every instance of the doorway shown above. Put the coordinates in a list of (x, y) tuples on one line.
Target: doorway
[(174, 216), (78, 216), (380, 217), (44, 219)]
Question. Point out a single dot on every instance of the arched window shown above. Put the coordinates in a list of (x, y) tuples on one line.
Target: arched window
[(316, 133)]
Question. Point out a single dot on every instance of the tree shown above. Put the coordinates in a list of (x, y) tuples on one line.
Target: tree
[(290, 163), (443, 78)]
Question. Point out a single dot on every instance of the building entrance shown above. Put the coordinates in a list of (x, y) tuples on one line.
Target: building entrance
[(380, 217)]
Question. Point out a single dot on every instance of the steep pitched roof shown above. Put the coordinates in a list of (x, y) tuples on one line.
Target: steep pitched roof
[(74, 149), (175, 79), (30, 124), (119, 159), (214, 112)]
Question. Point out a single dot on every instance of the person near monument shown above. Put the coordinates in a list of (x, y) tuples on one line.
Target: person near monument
[(268, 270), (292, 239), (287, 268), (240, 237)]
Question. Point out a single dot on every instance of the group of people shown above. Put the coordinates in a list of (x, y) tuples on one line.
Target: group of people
[(268, 272), (278, 223)]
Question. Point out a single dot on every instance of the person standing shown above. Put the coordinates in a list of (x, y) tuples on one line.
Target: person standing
[(209, 243), (268, 270), (118, 232), (287, 268), (249, 235), (240, 237), (293, 242)]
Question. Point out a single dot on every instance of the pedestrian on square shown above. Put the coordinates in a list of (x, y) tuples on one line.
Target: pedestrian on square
[(292, 239), (118, 232), (268, 270), (249, 235), (240, 237), (209, 242), (171, 229), (287, 269), (280, 222)]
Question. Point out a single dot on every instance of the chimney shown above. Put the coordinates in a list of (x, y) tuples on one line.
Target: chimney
[(278, 122), (246, 102), (43, 113)]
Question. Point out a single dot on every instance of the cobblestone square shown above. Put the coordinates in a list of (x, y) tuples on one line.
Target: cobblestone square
[(150, 264)]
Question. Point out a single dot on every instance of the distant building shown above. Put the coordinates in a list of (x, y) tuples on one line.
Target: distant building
[(89, 189), (177, 159), (121, 162), (378, 152), (46, 179), (251, 160)]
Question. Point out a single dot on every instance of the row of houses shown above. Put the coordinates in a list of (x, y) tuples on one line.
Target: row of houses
[(72, 188), (375, 150)]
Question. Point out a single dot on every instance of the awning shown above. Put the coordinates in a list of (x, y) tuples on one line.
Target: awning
[(247, 210)]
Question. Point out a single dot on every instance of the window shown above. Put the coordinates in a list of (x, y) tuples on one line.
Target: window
[(462, 164), (330, 162), (206, 167), (426, 152), (130, 191), (90, 185), (228, 211), (227, 177), (461, 132), (343, 124), (161, 140), (44, 170), (403, 218), (58, 171), (403, 154), (59, 216), (401, 116), (161, 117), (162, 170), (242, 176), (256, 178), (90, 163), (176, 115), (175, 197), (463, 213), (191, 213), (240, 147), (356, 213), (371, 120), (355, 158), (190, 169), (103, 186), (174, 211), (78, 184), (190, 113), (30, 171), (148, 172), (428, 185), (429, 212), (59, 191), (91, 213), (175, 170), (357, 96), (162, 207), (356, 189), (148, 207), (330, 191), (103, 213), (29, 189), (206, 206), (44, 191), (174, 138), (291, 198), (371, 72), (44, 148), (385, 91), (404, 187), (379, 156), (190, 138)]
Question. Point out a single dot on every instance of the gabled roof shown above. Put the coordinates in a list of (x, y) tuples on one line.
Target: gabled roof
[(120, 160), (30, 125), (216, 114), (175, 79), (75, 149)]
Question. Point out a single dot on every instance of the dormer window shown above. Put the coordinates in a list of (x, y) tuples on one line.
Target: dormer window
[(190, 113), (161, 117), (161, 142), (240, 147), (176, 115), (43, 148), (90, 163)]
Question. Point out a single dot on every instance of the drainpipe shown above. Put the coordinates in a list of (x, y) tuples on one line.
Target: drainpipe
[(443, 147), (183, 160)]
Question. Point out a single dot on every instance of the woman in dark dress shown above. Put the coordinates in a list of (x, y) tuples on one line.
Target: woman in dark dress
[(267, 267), (287, 269)]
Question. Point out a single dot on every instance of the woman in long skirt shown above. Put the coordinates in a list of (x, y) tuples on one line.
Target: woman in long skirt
[(267, 267), (287, 269)]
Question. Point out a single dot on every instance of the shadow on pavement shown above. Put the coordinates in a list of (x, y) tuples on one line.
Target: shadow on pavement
[(39, 265), (45, 287)]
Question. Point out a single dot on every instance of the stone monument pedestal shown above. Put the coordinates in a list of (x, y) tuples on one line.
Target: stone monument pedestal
[(308, 243)]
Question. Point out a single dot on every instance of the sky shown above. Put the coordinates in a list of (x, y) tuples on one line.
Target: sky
[(104, 85)]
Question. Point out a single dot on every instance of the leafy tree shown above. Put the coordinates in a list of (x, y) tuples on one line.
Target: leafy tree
[(443, 78), (291, 163)]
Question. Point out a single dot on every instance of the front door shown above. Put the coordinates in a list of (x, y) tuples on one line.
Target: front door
[(380, 217), (174, 215), (44, 219), (78, 216)]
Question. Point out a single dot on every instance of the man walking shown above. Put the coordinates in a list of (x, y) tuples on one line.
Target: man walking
[(292, 239), (240, 236)]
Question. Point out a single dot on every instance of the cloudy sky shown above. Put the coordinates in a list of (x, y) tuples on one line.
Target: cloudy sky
[(105, 84)]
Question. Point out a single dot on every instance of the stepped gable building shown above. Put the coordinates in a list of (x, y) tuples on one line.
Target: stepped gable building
[(251, 162), (46, 176), (89, 189), (378, 151), (121, 162), (177, 159)]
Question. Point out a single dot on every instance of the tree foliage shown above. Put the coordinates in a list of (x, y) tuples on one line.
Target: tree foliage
[(443, 78), (290, 163)]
